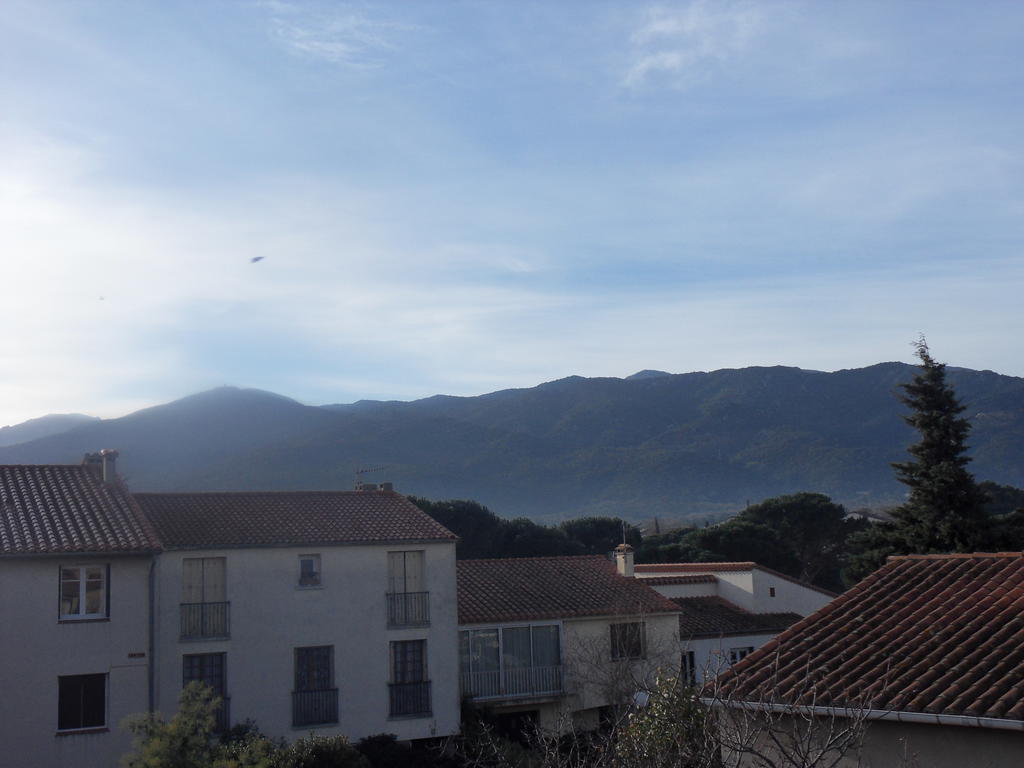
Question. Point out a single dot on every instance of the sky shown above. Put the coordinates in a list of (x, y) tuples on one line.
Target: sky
[(459, 197)]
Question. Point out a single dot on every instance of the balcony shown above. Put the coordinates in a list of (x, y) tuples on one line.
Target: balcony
[(410, 699), (317, 707), (205, 621), (408, 609), (512, 683)]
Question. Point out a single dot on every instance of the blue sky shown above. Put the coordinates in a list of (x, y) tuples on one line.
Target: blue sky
[(461, 197)]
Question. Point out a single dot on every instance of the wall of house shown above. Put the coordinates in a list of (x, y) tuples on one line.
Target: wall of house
[(711, 654), (594, 680), (938, 746), (789, 597), (888, 744), (36, 648), (271, 615)]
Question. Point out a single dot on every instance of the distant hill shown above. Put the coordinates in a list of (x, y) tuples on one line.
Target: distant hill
[(33, 429), (694, 445)]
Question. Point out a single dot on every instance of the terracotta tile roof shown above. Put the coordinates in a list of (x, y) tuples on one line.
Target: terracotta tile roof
[(286, 518), (55, 508), (715, 616), (940, 634), (697, 578), (665, 568), (527, 588)]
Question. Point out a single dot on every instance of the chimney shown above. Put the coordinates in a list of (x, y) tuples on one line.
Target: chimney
[(374, 487), (623, 555), (109, 462), (94, 463)]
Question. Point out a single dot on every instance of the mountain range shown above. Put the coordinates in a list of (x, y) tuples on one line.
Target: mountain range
[(691, 446)]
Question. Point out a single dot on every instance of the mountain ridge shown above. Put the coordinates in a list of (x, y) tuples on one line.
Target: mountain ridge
[(679, 446)]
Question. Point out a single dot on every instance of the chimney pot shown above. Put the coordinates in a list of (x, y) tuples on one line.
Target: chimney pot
[(109, 461)]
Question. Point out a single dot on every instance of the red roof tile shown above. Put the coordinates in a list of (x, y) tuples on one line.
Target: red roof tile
[(286, 518), (57, 508), (715, 616), (936, 634), (530, 588)]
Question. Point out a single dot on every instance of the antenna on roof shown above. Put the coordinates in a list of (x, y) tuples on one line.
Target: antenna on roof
[(368, 470)]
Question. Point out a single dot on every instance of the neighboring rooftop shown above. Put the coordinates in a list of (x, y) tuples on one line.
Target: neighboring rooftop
[(714, 616), (287, 518), (644, 571), (531, 588), (696, 578), (67, 508), (932, 634)]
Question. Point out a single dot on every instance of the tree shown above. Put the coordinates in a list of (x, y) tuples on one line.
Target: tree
[(184, 741), (813, 527), (945, 508)]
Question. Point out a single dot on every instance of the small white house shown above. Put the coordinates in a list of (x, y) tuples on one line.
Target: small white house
[(76, 560), (332, 611), (556, 640), (729, 610)]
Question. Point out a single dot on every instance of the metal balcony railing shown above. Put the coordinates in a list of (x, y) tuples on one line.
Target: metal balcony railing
[(205, 620), (408, 609), (315, 707), (410, 699), (512, 682)]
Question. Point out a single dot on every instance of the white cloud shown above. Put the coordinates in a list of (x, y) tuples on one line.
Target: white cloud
[(341, 34), (687, 45)]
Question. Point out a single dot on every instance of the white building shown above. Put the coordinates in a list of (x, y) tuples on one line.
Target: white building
[(555, 640), (728, 610), (332, 611), (326, 611), (76, 559)]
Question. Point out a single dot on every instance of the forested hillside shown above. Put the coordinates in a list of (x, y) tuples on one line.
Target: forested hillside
[(685, 446)]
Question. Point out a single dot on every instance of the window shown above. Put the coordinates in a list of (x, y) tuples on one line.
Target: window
[(628, 640), (738, 654), (408, 602), (410, 688), (771, 591), (689, 669), (83, 592), (309, 570), (315, 699), (405, 571), (81, 702), (208, 668), (203, 580), (507, 662), (204, 606)]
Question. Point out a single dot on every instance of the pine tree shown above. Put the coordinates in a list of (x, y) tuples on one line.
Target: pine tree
[(945, 508)]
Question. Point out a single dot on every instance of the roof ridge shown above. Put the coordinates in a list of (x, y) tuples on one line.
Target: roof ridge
[(533, 557), (247, 493), (953, 556)]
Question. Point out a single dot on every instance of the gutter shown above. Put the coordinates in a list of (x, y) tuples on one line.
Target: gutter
[(152, 639), (885, 715)]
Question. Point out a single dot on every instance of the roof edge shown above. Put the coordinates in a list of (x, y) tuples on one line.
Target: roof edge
[(901, 716)]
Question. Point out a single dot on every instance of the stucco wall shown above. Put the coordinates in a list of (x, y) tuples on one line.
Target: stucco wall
[(711, 654), (271, 616), (789, 597), (36, 648), (686, 590), (593, 679)]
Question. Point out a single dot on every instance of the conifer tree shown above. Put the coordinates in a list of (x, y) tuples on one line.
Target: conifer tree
[(945, 508)]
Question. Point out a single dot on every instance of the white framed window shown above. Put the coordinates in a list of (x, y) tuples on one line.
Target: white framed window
[(309, 571), (83, 592)]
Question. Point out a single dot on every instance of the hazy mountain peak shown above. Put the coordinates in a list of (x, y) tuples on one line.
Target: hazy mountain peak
[(647, 373)]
